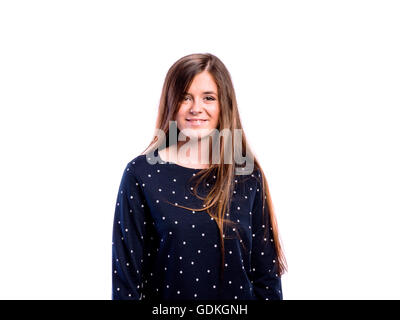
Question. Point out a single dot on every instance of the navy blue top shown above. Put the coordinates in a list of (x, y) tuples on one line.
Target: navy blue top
[(164, 252)]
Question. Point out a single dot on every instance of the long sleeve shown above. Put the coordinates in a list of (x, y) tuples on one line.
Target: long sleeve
[(264, 262), (129, 234)]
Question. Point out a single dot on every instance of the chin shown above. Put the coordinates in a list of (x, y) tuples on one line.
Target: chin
[(196, 133)]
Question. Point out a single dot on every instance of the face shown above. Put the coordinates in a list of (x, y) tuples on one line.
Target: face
[(199, 110)]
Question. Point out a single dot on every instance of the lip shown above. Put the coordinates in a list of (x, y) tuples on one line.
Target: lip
[(196, 122)]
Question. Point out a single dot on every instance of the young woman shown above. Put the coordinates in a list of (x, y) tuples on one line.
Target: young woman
[(188, 226)]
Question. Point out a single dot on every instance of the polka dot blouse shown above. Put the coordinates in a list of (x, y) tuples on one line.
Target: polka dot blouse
[(163, 252)]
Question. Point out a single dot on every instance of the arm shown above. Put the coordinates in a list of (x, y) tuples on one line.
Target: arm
[(128, 239), (264, 262)]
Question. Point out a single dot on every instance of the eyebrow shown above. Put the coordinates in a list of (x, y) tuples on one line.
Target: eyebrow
[(205, 92)]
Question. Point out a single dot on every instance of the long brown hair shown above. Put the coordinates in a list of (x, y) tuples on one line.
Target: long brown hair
[(217, 201)]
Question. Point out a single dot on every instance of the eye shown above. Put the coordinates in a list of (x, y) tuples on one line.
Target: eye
[(211, 98)]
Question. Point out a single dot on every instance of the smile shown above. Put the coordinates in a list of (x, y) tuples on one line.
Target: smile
[(196, 122)]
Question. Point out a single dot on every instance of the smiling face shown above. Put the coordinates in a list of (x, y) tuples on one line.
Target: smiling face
[(199, 110)]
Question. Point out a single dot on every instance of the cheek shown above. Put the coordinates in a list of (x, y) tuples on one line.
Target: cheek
[(180, 119), (180, 114), (216, 115)]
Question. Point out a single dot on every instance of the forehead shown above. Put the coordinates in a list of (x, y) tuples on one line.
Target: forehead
[(203, 83)]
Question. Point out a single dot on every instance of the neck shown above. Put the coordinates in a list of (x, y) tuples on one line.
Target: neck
[(192, 153)]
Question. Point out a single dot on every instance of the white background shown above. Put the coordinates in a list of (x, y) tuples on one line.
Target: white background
[(317, 84)]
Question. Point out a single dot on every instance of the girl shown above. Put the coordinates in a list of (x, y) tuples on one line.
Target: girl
[(190, 224)]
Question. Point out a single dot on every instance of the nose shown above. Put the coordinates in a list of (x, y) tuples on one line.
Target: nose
[(196, 107)]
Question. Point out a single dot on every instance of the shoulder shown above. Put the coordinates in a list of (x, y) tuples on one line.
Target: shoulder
[(253, 178), (133, 166), (142, 164), (137, 163)]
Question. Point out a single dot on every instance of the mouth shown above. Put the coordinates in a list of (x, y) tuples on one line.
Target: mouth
[(196, 121)]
